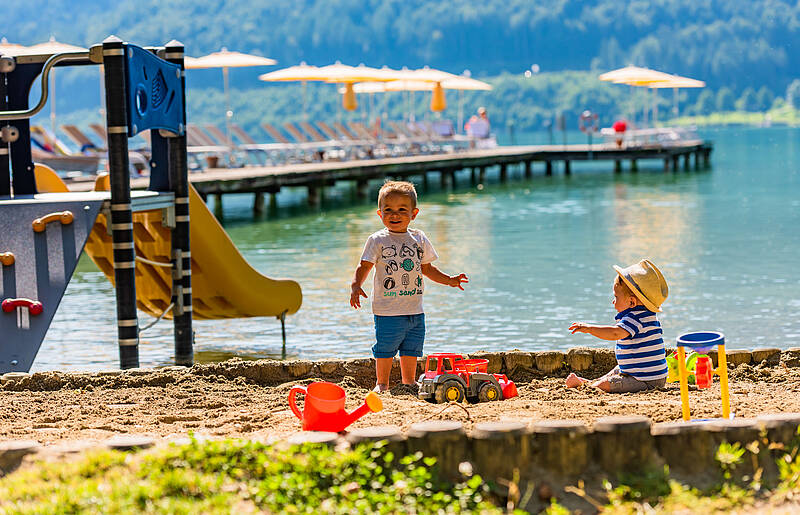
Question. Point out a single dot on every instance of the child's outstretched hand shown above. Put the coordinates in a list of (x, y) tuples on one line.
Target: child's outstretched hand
[(578, 327), (355, 297), (457, 280)]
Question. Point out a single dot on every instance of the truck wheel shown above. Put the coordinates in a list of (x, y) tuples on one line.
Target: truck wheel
[(489, 392), (449, 391)]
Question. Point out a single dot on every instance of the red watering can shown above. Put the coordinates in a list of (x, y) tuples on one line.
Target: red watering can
[(324, 408)]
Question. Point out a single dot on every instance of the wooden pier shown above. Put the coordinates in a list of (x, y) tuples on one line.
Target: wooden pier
[(315, 176)]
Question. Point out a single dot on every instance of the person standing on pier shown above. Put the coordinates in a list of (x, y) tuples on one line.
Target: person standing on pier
[(401, 257)]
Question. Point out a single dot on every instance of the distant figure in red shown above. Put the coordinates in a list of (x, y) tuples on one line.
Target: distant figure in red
[(620, 126)]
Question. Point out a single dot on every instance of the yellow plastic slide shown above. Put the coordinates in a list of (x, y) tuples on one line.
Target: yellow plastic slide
[(224, 285)]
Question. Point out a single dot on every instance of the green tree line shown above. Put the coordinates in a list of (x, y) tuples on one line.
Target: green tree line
[(741, 49)]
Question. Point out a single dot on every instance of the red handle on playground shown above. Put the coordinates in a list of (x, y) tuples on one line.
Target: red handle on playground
[(34, 306)]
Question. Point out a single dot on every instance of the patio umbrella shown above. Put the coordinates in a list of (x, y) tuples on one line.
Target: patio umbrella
[(337, 73), (456, 82), (635, 76), (631, 74), (7, 48), (676, 82), (348, 75), (226, 59), (49, 47)]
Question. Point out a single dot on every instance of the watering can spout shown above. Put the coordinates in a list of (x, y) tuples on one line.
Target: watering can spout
[(372, 403)]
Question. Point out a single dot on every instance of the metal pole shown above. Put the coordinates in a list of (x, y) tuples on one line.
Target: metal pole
[(655, 107), (181, 250), (121, 216), (305, 113), (53, 106), (460, 126), (228, 113), (102, 92), (674, 102)]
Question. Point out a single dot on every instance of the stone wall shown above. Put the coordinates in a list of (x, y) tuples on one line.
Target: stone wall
[(517, 364)]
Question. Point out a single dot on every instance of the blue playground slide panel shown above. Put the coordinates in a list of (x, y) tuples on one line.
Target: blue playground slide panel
[(43, 266), (155, 98)]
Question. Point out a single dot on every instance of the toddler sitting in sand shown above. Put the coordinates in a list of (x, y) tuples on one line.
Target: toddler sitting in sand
[(639, 291)]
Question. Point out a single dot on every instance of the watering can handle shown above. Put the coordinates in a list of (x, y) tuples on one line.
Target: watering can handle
[(294, 391)]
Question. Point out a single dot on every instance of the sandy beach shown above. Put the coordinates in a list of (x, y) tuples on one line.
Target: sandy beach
[(239, 399)]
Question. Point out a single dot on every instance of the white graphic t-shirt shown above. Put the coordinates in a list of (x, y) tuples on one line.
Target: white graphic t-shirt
[(398, 283)]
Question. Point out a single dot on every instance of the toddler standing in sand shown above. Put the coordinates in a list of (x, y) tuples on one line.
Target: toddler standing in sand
[(401, 257), (639, 291)]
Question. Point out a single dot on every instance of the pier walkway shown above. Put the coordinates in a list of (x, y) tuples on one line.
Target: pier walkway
[(317, 175)]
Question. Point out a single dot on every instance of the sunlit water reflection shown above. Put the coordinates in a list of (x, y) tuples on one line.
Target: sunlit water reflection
[(539, 254)]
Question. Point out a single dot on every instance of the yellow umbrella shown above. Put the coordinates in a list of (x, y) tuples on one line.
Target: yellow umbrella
[(226, 59)]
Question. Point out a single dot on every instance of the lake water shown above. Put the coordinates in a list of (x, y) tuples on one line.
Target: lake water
[(539, 254)]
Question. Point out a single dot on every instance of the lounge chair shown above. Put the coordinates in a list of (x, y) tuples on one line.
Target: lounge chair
[(298, 136), (329, 132), (272, 153), (313, 133), (49, 150), (415, 144), (100, 130), (275, 134), (81, 139), (241, 153), (479, 132)]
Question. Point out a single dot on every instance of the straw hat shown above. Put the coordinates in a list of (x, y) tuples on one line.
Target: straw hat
[(646, 282)]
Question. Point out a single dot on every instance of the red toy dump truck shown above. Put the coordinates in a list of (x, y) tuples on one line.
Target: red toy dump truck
[(449, 377)]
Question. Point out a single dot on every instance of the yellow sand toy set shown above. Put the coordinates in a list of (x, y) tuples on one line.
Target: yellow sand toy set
[(139, 239), (699, 365)]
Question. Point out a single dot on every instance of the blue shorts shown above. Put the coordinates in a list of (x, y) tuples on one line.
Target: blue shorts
[(403, 333)]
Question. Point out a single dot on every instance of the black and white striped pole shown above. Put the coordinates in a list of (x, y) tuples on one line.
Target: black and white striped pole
[(181, 250), (121, 216), (6, 65)]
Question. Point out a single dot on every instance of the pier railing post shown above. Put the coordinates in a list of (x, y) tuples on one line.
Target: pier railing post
[(181, 249), (121, 215)]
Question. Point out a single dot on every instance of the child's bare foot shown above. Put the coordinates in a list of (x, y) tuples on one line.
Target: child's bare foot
[(573, 381), (380, 388)]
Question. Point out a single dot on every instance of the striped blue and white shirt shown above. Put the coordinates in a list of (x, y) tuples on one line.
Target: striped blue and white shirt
[(641, 354)]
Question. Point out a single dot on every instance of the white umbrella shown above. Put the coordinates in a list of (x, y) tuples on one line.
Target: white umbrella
[(675, 82), (226, 59)]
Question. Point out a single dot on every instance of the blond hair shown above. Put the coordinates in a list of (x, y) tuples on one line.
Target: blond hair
[(398, 188)]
